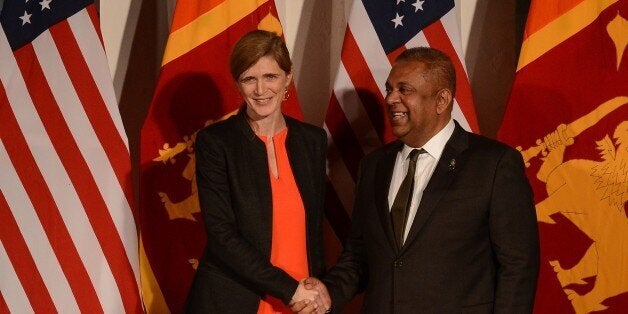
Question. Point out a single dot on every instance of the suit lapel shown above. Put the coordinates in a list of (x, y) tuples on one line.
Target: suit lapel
[(383, 177), (442, 177)]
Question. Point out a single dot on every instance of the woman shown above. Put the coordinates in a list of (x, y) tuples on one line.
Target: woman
[(260, 179)]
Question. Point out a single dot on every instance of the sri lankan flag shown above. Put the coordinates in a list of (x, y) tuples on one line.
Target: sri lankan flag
[(194, 89), (567, 114)]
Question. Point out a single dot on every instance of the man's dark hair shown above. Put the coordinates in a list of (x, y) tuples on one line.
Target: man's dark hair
[(438, 64)]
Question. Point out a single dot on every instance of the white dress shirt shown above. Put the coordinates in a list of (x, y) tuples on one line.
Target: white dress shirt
[(426, 163)]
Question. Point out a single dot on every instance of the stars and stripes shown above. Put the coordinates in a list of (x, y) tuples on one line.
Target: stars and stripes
[(376, 33), (68, 233)]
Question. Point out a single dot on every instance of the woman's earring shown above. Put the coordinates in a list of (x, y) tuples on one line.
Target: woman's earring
[(286, 95)]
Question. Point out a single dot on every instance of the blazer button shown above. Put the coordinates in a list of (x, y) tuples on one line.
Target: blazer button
[(398, 263)]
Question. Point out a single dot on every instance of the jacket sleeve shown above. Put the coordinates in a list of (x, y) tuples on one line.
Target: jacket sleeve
[(224, 241), (514, 236)]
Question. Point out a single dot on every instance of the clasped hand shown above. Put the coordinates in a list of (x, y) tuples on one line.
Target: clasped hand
[(311, 297)]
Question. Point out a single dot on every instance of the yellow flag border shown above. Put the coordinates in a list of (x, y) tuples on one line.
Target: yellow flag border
[(152, 297), (207, 26), (561, 29)]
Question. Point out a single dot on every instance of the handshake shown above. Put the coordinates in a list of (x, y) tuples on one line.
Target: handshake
[(311, 297)]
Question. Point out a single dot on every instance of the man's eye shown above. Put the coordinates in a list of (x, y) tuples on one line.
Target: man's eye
[(405, 91)]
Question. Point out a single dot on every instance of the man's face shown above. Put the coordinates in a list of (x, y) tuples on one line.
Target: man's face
[(416, 108)]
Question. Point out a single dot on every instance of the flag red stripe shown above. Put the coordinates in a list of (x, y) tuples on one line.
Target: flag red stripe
[(336, 214), (344, 137), (94, 106), (437, 37), (79, 173), (392, 56), (364, 83), (45, 206), (93, 16), (4, 308), (23, 262)]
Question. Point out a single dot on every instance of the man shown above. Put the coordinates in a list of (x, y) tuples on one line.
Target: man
[(456, 235)]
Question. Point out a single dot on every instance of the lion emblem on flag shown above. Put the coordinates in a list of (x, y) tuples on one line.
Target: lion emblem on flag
[(592, 195)]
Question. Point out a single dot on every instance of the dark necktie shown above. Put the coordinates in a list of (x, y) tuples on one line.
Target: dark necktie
[(401, 205)]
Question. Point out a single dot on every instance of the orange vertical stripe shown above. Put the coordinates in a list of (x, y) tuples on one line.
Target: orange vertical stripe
[(188, 10), (544, 12)]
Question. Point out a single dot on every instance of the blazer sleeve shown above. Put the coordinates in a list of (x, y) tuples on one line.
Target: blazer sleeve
[(224, 241), (514, 236)]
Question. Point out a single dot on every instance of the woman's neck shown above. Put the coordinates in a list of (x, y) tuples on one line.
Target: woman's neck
[(267, 126)]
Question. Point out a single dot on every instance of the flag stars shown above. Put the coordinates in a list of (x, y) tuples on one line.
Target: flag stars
[(398, 1), (26, 18), (397, 20), (418, 5), (45, 4)]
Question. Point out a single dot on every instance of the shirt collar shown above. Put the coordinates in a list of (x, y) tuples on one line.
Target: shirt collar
[(435, 146)]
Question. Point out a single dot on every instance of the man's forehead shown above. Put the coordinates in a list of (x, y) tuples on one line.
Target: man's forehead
[(404, 72)]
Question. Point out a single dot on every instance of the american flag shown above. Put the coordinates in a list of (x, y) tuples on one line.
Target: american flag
[(377, 32), (67, 228)]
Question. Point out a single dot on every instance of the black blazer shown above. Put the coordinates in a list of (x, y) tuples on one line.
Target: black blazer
[(236, 202), (473, 245)]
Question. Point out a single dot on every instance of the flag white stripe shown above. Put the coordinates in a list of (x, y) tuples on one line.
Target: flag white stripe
[(418, 40), (421, 40), (354, 111), (338, 174), (56, 178), (100, 168), (89, 145), (369, 44), (11, 287), (93, 52), (91, 48), (35, 237), (457, 114), (450, 23)]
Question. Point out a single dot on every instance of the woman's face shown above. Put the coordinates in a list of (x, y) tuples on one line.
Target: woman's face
[(263, 87)]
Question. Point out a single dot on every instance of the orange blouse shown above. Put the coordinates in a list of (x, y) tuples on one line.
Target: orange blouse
[(289, 249)]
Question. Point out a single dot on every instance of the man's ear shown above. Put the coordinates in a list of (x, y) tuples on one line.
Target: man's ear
[(444, 99)]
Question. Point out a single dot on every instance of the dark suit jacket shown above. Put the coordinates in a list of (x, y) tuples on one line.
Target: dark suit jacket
[(473, 245), (236, 203)]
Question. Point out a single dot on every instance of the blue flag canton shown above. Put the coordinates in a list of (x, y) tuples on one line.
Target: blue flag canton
[(397, 21), (24, 20)]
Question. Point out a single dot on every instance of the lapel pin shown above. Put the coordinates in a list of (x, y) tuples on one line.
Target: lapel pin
[(452, 164)]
